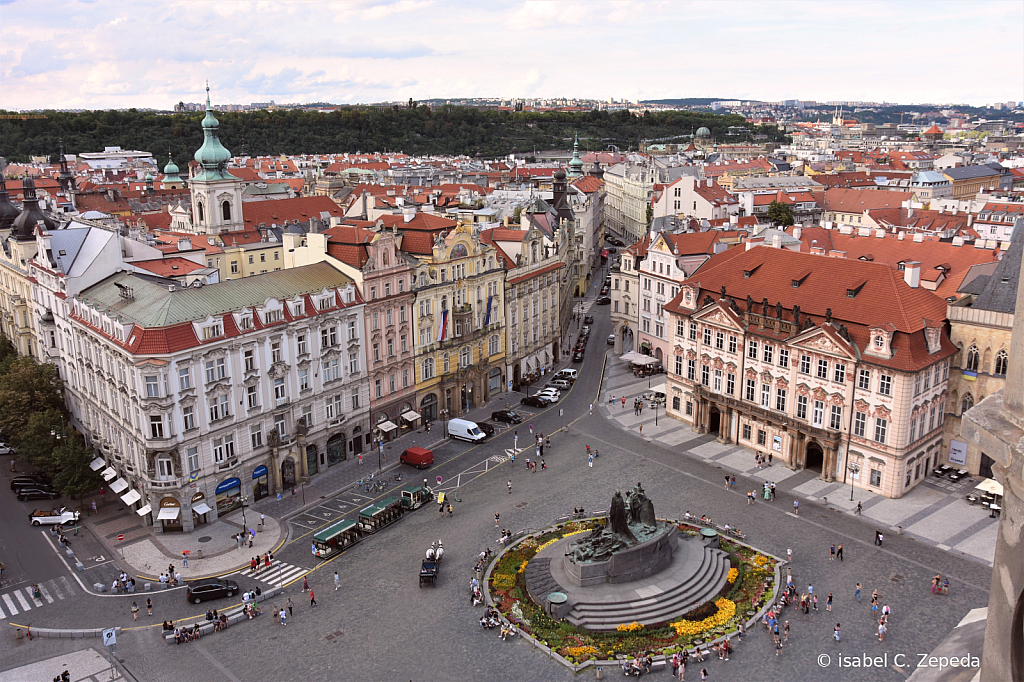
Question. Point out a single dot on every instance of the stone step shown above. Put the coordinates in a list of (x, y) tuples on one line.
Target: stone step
[(698, 589)]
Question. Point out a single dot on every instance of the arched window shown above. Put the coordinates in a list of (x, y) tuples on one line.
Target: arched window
[(1001, 361), (968, 403), (972, 359), (225, 210), (201, 211)]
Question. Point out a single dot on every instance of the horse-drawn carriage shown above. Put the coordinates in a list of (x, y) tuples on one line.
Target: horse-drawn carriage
[(431, 565)]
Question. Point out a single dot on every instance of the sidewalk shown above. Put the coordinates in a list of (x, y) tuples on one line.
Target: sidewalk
[(929, 513)]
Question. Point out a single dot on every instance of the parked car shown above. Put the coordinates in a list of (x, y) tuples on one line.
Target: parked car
[(604, 291), (654, 397), (552, 395), (569, 375), (41, 517), (210, 588), (612, 249), (604, 300), (28, 482), (463, 429), (533, 401), (611, 339), (560, 384), (488, 429), (36, 494), (577, 356), (589, 319), (5, 449), (506, 416)]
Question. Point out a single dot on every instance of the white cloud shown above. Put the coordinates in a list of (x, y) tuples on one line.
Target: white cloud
[(95, 54)]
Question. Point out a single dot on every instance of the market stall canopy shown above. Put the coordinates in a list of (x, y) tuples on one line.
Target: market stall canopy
[(119, 485), (631, 356), (168, 513), (96, 464), (990, 485), (132, 497), (645, 360)]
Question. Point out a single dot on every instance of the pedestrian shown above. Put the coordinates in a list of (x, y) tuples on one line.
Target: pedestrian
[(312, 599), (623, 402), (859, 509), (497, 517), (293, 492), (836, 631), (591, 462), (305, 584), (856, 593), (732, 482), (877, 533), (789, 554), (262, 520), (93, 506), (886, 612), (284, 618), (135, 611), (881, 537), (559, 411), (289, 606), (769, 459), (881, 630), (828, 602), (591, 408), (184, 558), (337, 581), (832, 552), (796, 507), (450, 514), (149, 606), (726, 482), (815, 600), (531, 429), (510, 486), (839, 552), (543, 466), (641, 429), (360, 458), (786, 631), (588, 449)]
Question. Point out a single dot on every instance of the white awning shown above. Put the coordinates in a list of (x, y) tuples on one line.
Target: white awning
[(131, 498), (201, 508), (168, 513), (631, 356), (145, 510), (386, 426), (410, 416), (108, 473), (644, 360), (96, 464), (990, 485), (119, 485)]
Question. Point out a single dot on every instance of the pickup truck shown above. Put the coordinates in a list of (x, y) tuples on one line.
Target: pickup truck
[(53, 516)]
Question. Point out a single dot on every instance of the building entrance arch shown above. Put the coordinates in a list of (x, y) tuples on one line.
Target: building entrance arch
[(288, 472), (814, 457), (714, 420)]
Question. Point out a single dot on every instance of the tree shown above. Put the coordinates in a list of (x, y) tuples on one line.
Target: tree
[(26, 388), (72, 475), (41, 437), (780, 214)]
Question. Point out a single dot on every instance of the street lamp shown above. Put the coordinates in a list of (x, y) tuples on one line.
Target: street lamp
[(854, 469), (443, 414)]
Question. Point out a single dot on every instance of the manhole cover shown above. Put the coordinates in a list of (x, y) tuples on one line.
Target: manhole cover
[(205, 538), (896, 577)]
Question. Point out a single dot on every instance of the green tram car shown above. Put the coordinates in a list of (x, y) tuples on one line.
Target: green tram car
[(343, 534)]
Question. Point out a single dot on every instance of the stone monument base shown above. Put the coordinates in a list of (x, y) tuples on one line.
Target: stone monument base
[(634, 563)]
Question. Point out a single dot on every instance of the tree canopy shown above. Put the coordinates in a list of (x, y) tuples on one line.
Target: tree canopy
[(780, 214), (412, 129)]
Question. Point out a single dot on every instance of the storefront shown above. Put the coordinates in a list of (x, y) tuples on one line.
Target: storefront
[(335, 449), (260, 488), (199, 510), (170, 515), (428, 407), (494, 382), (386, 429), (229, 496), (356, 445), (410, 418)]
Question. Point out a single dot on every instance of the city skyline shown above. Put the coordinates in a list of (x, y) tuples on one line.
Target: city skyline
[(98, 55)]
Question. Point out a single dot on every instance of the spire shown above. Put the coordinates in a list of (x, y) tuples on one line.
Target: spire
[(576, 164), (8, 212), (212, 156), (25, 224)]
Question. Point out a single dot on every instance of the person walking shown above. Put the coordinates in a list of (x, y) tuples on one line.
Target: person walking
[(815, 601), (828, 602), (859, 509), (337, 581), (149, 606), (312, 599), (877, 533), (135, 611), (543, 466), (497, 517), (786, 631), (881, 538), (796, 507), (591, 409), (789, 554), (184, 558), (836, 632), (305, 584), (284, 617), (856, 593), (623, 402), (839, 552), (881, 630), (510, 486), (590, 462), (289, 606), (641, 429), (832, 552), (450, 511)]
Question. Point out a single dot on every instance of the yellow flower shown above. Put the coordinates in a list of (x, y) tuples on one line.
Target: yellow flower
[(761, 560), (503, 581), (522, 566), (733, 574), (581, 652), (726, 611), (631, 627)]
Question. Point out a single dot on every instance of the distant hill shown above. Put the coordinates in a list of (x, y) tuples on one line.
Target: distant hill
[(687, 101)]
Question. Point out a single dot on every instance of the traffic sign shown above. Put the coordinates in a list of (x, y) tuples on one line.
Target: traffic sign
[(109, 637), (439, 480), (120, 538)]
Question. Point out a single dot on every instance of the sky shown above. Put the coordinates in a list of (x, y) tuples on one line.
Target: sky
[(97, 54)]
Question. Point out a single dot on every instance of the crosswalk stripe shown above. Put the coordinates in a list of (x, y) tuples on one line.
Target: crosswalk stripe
[(22, 601), (67, 586), (46, 594), (3, 616), (11, 608), (56, 590)]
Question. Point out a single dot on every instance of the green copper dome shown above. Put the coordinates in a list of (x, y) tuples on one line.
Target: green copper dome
[(576, 164), (212, 156), (703, 132), (170, 168)]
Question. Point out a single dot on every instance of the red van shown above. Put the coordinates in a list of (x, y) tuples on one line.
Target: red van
[(421, 458)]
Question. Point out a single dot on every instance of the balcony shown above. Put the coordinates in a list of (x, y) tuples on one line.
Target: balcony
[(464, 309)]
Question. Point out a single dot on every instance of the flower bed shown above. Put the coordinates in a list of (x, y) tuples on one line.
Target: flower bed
[(748, 584)]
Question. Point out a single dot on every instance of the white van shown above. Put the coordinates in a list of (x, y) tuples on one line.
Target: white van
[(567, 374), (463, 429)]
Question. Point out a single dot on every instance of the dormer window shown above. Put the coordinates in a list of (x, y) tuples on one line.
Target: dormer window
[(246, 322), (212, 331), (299, 309), (879, 342), (272, 316), (325, 303)]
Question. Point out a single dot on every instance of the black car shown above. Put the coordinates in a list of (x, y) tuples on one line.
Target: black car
[(210, 588), (604, 300), (488, 429), (533, 401), (589, 319), (37, 494), (29, 482), (614, 240), (506, 416), (577, 356), (612, 249)]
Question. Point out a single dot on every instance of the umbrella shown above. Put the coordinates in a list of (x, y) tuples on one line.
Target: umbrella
[(990, 485), (631, 356)]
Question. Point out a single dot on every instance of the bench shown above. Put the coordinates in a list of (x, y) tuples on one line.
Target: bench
[(658, 663)]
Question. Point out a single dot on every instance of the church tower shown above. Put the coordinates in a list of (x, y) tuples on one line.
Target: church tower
[(576, 164), (216, 194)]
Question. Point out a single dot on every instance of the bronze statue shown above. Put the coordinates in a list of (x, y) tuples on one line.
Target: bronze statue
[(617, 522)]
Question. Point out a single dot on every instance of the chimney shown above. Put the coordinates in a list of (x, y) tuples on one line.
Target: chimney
[(184, 244), (408, 214), (837, 254), (970, 219), (880, 233), (777, 241), (797, 231), (818, 250), (912, 273)]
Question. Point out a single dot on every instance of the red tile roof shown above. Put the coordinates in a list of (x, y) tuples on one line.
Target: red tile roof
[(168, 267), (280, 210), (859, 200)]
